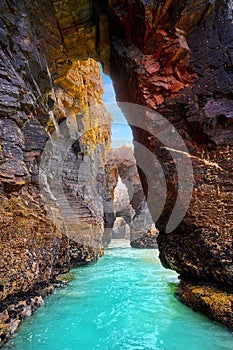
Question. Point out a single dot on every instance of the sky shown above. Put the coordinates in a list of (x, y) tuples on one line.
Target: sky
[(121, 132)]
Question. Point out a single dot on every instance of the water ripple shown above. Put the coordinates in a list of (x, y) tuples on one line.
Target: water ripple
[(124, 302)]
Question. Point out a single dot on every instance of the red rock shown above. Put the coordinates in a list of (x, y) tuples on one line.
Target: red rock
[(186, 45), (191, 53), (153, 67)]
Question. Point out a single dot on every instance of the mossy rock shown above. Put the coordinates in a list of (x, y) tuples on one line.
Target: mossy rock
[(66, 277)]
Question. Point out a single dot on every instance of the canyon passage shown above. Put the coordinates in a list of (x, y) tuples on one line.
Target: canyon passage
[(170, 62)]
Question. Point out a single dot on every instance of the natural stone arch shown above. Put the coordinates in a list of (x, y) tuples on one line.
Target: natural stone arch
[(173, 60), (121, 164), (166, 79)]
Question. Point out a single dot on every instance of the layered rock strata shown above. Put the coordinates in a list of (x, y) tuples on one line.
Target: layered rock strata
[(176, 59), (50, 95), (173, 57)]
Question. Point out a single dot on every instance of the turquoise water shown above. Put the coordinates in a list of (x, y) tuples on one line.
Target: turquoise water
[(125, 301)]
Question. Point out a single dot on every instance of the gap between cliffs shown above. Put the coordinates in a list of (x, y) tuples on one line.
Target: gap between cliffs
[(167, 56)]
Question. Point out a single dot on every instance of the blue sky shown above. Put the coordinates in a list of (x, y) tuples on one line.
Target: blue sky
[(121, 132)]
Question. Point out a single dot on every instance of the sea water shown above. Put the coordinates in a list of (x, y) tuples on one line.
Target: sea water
[(125, 301)]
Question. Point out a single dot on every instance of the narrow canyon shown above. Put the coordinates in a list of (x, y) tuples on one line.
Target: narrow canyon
[(58, 173)]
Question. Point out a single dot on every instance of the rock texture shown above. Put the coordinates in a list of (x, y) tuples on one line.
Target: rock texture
[(216, 303), (148, 240), (50, 90), (133, 207), (14, 313), (176, 58)]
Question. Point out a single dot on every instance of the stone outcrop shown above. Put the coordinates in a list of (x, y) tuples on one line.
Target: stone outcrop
[(120, 229), (176, 58), (50, 93), (14, 313), (216, 303), (148, 240), (132, 207)]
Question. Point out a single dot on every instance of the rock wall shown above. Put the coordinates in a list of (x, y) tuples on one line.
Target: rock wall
[(73, 167), (50, 93), (176, 59), (121, 163)]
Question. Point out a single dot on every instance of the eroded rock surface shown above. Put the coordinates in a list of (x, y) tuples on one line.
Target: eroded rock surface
[(173, 57), (217, 303), (49, 86), (176, 59)]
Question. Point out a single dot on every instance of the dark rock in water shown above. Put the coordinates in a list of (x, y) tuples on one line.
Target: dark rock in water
[(147, 241), (19, 307), (216, 302)]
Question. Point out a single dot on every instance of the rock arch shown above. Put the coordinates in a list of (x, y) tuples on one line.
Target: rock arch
[(171, 56), (121, 163)]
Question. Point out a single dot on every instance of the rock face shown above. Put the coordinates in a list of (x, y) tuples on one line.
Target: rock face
[(216, 303), (120, 230), (50, 94), (176, 59), (148, 240), (132, 207)]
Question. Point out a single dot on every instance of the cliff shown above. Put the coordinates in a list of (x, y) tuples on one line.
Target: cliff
[(176, 59), (173, 57), (54, 131)]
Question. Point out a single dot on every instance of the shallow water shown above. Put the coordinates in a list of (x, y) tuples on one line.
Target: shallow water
[(125, 301)]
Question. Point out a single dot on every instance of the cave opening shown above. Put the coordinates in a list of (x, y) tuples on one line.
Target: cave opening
[(123, 213), (128, 201)]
